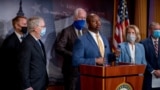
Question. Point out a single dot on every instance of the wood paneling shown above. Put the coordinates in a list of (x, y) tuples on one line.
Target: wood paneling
[(110, 77), (141, 17), (156, 15)]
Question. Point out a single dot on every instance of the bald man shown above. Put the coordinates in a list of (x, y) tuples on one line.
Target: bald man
[(89, 49)]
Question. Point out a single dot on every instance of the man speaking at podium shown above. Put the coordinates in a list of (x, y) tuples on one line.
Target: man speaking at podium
[(92, 48)]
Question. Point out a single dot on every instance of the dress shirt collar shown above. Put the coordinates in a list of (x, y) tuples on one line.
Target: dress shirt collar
[(19, 36), (153, 39)]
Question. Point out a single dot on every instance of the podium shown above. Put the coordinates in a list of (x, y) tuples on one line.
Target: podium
[(123, 76)]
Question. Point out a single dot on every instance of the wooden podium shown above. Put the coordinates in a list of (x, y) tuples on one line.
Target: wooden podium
[(119, 77)]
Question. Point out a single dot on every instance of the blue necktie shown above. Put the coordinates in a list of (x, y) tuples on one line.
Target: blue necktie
[(40, 46)]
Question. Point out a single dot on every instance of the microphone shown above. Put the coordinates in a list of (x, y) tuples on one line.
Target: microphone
[(117, 57), (105, 46)]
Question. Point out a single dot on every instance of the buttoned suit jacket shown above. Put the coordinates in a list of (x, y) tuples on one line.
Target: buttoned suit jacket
[(33, 64)]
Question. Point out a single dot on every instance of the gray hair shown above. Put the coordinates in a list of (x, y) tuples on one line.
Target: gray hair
[(33, 22), (76, 12)]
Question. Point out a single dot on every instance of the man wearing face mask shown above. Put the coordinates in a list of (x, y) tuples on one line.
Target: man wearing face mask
[(9, 50), (64, 46), (131, 50), (151, 45), (32, 57)]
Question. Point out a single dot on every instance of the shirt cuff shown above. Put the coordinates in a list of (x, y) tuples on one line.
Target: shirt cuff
[(152, 72)]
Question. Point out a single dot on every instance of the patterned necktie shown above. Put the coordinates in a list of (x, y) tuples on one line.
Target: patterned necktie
[(100, 45), (156, 47)]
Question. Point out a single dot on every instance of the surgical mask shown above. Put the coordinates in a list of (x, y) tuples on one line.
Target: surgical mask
[(43, 32), (131, 38), (156, 33), (24, 30), (79, 24)]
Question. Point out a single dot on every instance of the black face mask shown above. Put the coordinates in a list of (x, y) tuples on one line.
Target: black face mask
[(24, 30)]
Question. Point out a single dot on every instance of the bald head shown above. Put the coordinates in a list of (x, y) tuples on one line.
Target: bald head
[(93, 22), (90, 17)]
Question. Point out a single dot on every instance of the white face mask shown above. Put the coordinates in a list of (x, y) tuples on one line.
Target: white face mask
[(43, 31), (131, 38)]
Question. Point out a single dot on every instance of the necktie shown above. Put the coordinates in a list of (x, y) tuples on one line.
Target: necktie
[(79, 33), (40, 46), (156, 47), (100, 45), (22, 38)]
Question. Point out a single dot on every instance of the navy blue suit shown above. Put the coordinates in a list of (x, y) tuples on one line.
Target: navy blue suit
[(153, 62)]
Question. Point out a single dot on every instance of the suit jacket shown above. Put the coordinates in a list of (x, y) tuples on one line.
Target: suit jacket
[(85, 50), (125, 55), (9, 51), (64, 46), (33, 64), (153, 62)]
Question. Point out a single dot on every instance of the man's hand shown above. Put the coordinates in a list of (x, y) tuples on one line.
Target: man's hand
[(100, 61), (157, 73)]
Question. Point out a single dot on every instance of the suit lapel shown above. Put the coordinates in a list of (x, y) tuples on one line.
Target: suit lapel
[(16, 39), (36, 46), (150, 42), (136, 52), (73, 32), (43, 48), (91, 39), (128, 51)]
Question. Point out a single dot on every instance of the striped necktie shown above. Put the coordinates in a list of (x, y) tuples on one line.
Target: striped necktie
[(156, 47)]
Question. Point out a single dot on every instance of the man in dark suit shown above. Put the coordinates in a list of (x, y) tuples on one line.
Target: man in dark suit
[(10, 47), (32, 57), (64, 46), (92, 48), (153, 60)]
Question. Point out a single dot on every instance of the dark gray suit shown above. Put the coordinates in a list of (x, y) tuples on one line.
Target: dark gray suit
[(33, 64)]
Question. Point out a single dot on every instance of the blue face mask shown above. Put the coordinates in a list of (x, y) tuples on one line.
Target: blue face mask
[(156, 33), (79, 24), (43, 32)]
